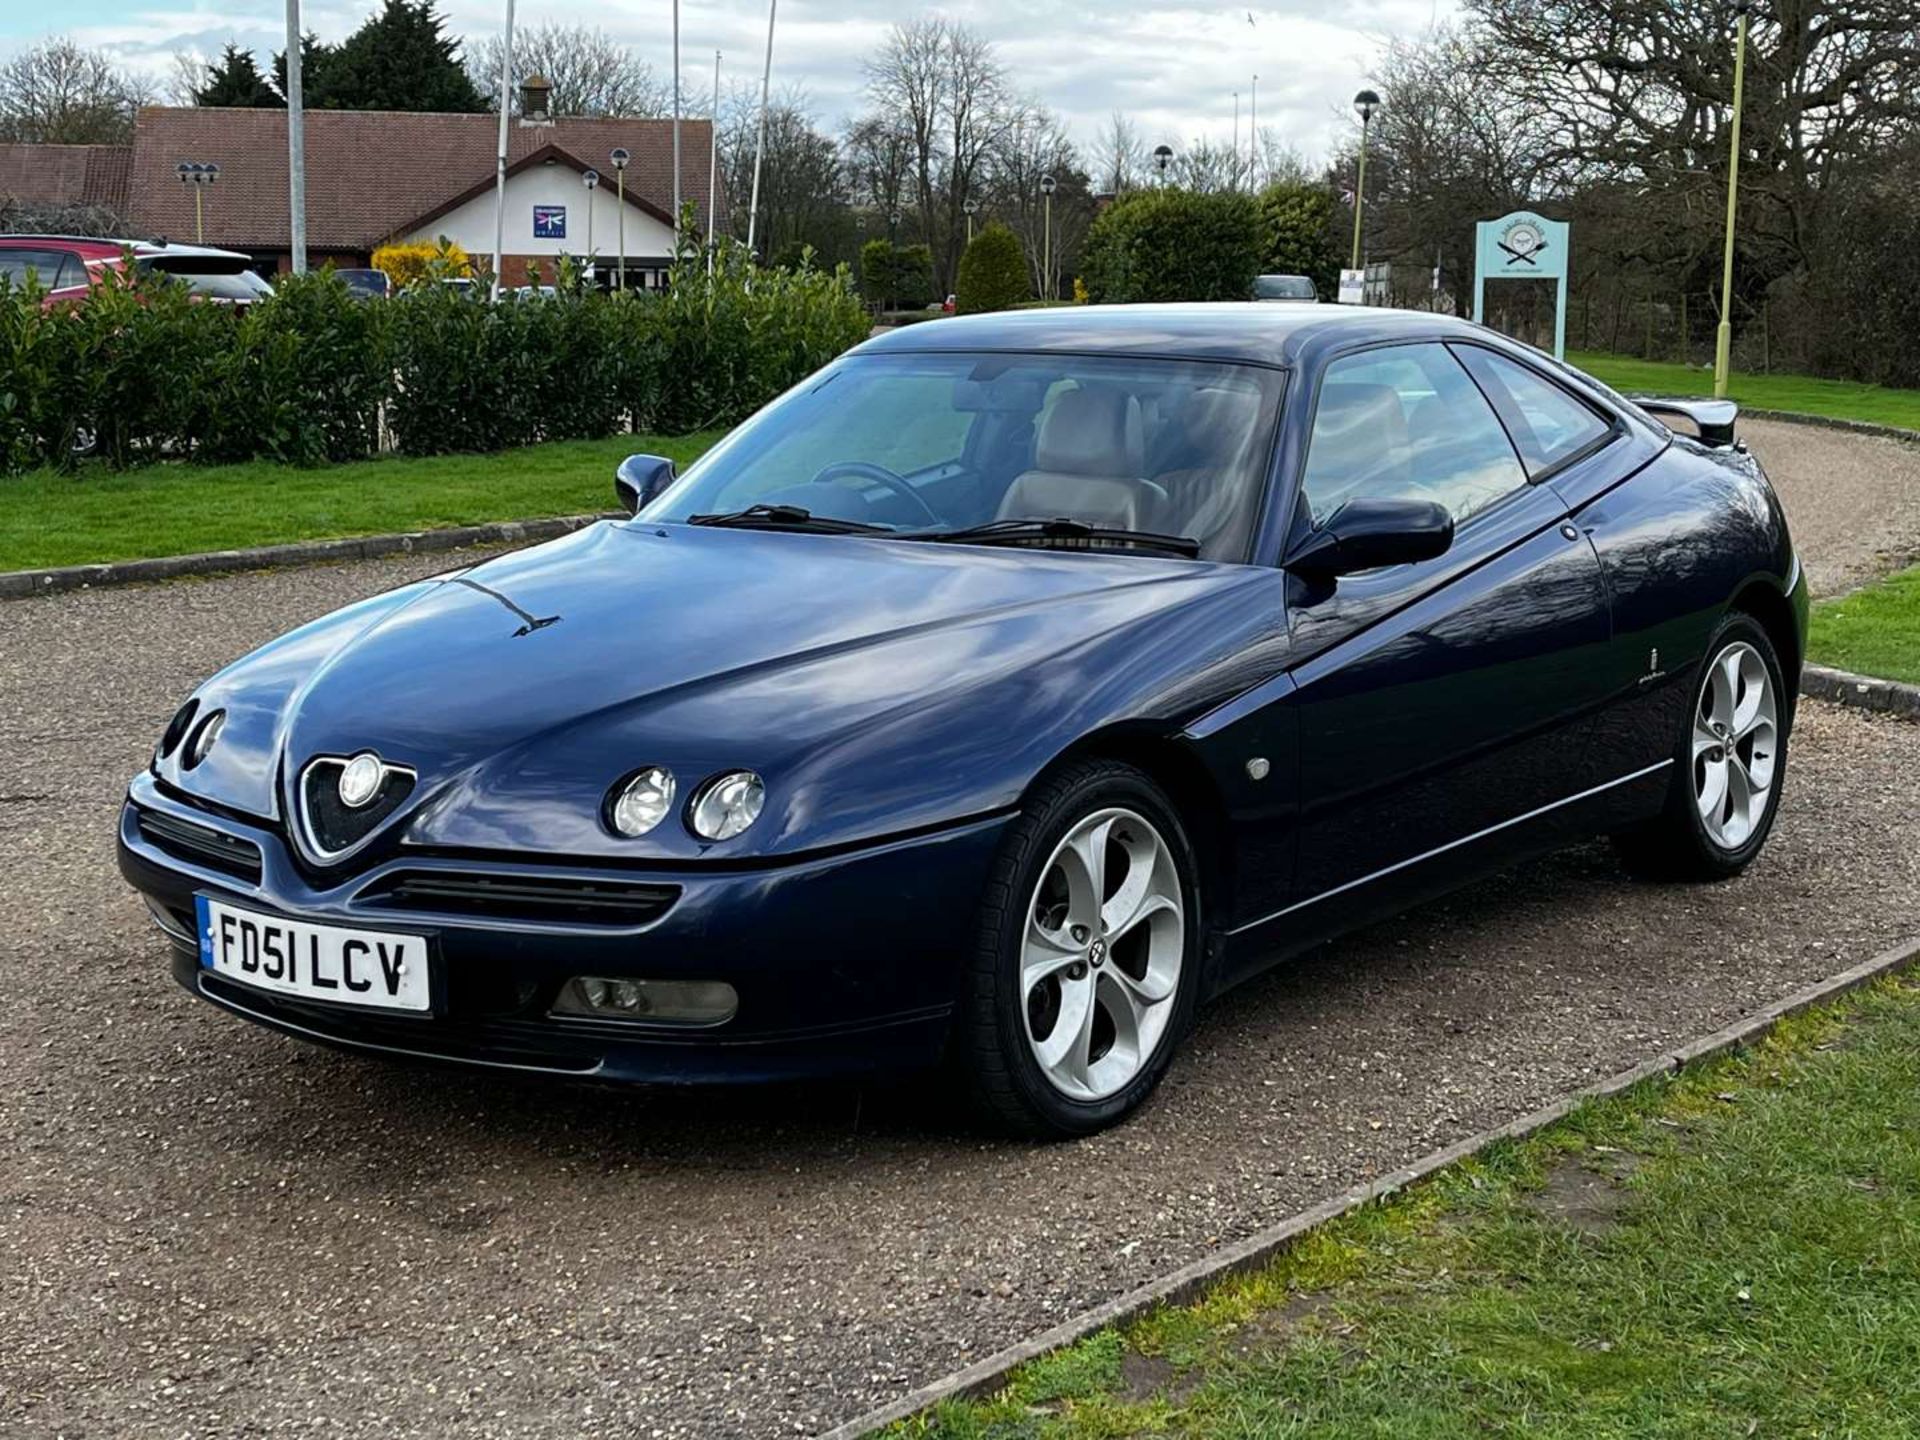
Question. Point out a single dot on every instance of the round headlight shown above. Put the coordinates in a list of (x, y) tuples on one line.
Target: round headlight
[(643, 802), (728, 804), (177, 728), (201, 742)]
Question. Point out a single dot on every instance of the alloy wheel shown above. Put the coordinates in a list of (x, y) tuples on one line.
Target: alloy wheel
[(1735, 743), (1101, 952)]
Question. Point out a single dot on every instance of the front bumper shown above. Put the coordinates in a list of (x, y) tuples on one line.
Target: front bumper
[(843, 963)]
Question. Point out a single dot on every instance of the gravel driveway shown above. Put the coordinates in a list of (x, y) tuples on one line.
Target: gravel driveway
[(1853, 500), (212, 1230)]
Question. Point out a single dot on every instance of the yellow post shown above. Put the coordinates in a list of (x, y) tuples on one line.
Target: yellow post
[(199, 229), (1723, 341)]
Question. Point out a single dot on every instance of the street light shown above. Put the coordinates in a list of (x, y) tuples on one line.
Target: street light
[(1162, 157), (972, 207), (620, 158), (1047, 184), (1723, 338), (591, 179), (198, 176), (1366, 102)]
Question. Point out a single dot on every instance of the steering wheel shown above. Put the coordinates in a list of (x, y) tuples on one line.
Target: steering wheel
[(866, 471)]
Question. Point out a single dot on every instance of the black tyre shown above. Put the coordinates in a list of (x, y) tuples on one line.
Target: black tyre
[(1088, 956), (1729, 764)]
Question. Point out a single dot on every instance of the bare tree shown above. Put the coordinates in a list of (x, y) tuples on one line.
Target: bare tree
[(60, 93), (879, 162), (1033, 146), (949, 94), (186, 73), (1119, 155), (802, 199), (591, 73)]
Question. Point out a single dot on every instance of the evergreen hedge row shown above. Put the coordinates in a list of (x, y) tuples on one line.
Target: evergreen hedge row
[(140, 371)]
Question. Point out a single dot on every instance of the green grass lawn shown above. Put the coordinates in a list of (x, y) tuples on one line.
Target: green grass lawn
[(1732, 1253), (49, 518), (1843, 399), (1873, 631)]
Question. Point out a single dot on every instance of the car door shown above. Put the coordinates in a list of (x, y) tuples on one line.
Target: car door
[(1439, 703)]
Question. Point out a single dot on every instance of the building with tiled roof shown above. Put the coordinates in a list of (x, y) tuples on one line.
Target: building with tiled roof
[(376, 176)]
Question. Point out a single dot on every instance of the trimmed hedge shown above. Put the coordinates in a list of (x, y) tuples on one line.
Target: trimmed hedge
[(993, 273), (1173, 245), (140, 371)]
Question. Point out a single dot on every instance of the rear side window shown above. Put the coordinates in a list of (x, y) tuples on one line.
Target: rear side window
[(1406, 422), (1549, 425), (54, 269)]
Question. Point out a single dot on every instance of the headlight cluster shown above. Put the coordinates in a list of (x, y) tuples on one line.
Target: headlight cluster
[(199, 732), (722, 807)]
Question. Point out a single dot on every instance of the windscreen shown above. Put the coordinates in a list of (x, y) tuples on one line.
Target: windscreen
[(932, 442), (211, 276), (1283, 287)]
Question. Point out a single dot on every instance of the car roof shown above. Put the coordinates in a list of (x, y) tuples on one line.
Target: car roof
[(1246, 332), (96, 247)]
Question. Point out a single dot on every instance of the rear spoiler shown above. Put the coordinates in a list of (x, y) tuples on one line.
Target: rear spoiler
[(1711, 420)]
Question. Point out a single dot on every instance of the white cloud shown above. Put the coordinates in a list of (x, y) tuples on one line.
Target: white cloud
[(1173, 67)]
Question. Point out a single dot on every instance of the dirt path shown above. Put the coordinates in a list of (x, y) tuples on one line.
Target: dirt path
[(1853, 500)]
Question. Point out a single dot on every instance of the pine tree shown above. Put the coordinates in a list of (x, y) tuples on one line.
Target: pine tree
[(400, 59), (315, 60), (236, 80)]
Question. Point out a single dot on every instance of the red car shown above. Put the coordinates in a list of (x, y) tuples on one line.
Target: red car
[(68, 266)]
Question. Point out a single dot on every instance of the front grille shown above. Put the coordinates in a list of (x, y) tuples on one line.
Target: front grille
[(619, 903), (200, 844), (331, 825)]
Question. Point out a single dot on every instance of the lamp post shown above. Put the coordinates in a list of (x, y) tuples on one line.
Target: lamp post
[(1723, 338), (199, 177), (893, 259), (972, 207), (1047, 184), (1366, 102), (620, 158), (1162, 157), (591, 179)]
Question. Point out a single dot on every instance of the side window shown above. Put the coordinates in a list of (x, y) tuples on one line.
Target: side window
[(1548, 424), (1406, 421), (17, 265)]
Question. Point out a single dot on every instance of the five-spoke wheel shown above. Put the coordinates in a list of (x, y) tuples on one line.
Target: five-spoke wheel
[(1089, 944)]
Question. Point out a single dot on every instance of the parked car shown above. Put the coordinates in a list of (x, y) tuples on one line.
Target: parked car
[(68, 266), (367, 283), (1294, 288), (1000, 694)]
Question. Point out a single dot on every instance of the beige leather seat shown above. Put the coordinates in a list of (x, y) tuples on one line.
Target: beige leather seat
[(1210, 494), (1087, 465)]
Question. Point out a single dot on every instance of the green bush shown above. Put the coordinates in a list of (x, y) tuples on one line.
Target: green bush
[(1296, 233), (993, 273), (897, 276), (1173, 245), (142, 371)]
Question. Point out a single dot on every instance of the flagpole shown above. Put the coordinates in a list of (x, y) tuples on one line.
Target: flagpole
[(676, 122), (500, 159), (760, 144), (296, 147)]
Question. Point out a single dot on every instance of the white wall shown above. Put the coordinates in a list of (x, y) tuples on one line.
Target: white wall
[(471, 225)]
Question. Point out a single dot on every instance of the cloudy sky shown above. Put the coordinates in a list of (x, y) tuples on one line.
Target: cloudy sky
[(1174, 67)]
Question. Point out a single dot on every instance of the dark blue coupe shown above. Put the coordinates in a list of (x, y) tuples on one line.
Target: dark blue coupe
[(996, 696)]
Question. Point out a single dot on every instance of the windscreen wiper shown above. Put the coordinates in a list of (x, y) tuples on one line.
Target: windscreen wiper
[(1060, 528), (788, 517)]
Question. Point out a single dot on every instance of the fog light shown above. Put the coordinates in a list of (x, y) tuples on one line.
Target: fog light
[(663, 1002)]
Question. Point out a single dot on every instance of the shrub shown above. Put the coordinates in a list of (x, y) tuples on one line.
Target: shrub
[(1296, 234), (1173, 245), (993, 272), (406, 264), (898, 276)]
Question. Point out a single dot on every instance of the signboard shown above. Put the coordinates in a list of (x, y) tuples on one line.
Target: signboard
[(549, 222), (1353, 287), (1524, 246)]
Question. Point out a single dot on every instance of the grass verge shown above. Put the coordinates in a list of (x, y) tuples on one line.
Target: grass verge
[(49, 518), (1874, 630), (1841, 399), (1732, 1252)]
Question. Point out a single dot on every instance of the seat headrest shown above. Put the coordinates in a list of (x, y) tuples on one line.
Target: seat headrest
[(1219, 422), (1090, 432), (1358, 431)]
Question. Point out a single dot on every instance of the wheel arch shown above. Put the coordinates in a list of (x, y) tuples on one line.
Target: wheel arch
[(1774, 612), (1188, 785)]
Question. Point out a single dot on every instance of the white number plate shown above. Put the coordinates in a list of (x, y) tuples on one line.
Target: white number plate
[(315, 962)]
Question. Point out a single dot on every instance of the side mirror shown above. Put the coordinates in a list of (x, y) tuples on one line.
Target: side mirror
[(639, 479), (1366, 534)]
